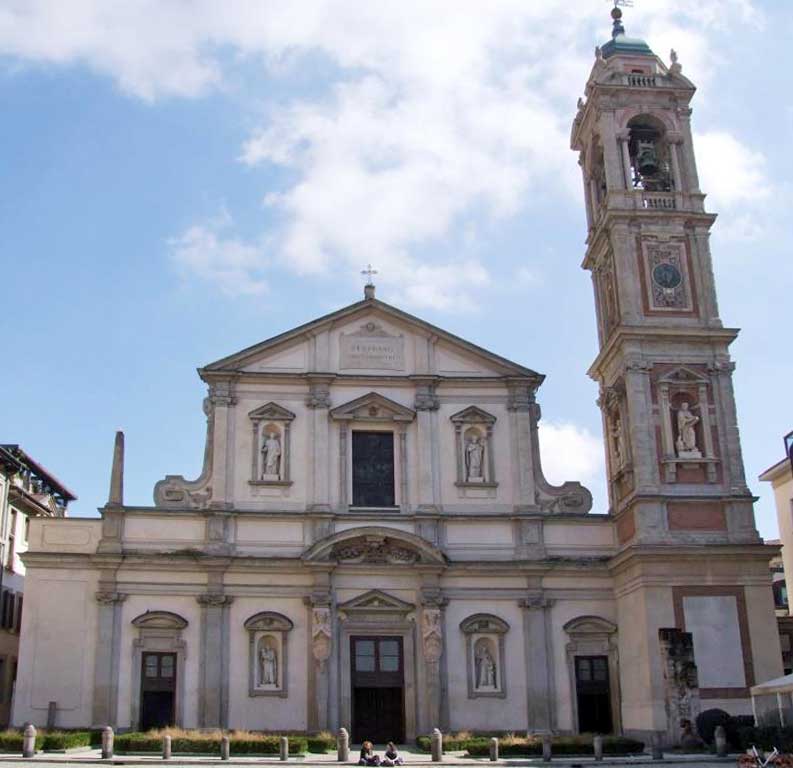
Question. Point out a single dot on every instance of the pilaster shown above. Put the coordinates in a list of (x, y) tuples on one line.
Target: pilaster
[(107, 656), (213, 693), (539, 663)]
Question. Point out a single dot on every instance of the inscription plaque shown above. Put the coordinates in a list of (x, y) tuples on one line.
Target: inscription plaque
[(372, 348)]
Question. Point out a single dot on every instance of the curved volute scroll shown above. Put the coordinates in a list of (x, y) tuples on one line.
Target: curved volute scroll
[(159, 620), (175, 491), (268, 620), (375, 545)]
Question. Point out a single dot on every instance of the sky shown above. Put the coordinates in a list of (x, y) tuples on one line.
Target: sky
[(179, 180)]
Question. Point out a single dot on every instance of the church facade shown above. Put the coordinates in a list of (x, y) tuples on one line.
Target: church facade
[(371, 542)]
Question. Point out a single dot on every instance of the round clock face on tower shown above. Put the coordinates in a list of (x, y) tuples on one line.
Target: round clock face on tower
[(667, 276)]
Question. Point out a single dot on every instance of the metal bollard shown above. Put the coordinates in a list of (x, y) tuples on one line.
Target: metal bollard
[(225, 750), (436, 741), (597, 747), (547, 751), (494, 749), (29, 741), (107, 742), (166, 747), (720, 736), (284, 748), (655, 746), (343, 745)]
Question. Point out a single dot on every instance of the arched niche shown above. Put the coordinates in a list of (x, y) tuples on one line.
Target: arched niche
[(485, 655), (268, 643)]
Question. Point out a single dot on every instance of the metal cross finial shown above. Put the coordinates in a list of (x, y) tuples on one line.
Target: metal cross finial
[(623, 3), (369, 271)]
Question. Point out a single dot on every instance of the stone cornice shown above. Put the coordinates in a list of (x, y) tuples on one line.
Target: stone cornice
[(650, 332), (664, 553)]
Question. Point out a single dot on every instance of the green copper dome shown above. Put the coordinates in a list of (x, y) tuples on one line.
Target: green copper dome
[(621, 44)]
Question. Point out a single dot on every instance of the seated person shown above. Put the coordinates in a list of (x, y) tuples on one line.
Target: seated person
[(368, 757), (391, 756)]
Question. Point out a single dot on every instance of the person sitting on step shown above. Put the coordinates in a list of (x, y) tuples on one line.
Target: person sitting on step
[(391, 757), (368, 756)]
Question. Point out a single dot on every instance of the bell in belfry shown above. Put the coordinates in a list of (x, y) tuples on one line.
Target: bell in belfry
[(647, 157)]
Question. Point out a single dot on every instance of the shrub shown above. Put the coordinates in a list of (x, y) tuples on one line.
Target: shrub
[(560, 745), (59, 740), (319, 743), (510, 745), (11, 740), (709, 720), (208, 742)]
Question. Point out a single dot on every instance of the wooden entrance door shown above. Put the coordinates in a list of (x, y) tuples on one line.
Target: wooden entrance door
[(157, 690), (373, 469), (377, 673), (593, 694)]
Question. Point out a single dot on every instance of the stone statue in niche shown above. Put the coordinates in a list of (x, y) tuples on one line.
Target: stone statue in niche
[(271, 456), (686, 443), (485, 666), (268, 663), (474, 456)]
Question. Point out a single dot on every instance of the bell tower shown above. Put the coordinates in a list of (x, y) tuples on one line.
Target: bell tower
[(673, 451), (688, 550)]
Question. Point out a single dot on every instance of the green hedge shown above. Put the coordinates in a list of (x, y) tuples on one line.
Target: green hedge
[(478, 745), (260, 744), (11, 741), (319, 743)]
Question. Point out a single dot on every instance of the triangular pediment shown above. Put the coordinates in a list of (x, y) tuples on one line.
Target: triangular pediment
[(377, 601), (473, 415), (372, 335), (373, 407), (271, 412)]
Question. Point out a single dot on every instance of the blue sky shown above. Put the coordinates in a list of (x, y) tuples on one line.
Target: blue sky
[(181, 180)]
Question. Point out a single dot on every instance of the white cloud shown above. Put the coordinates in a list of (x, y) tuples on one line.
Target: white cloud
[(434, 116), (235, 267), (730, 172), (570, 452)]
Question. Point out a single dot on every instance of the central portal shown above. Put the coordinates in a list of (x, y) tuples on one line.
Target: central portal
[(378, 712)]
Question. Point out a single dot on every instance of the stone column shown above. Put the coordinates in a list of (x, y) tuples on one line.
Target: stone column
[(213, 682), (426, 404), (221, 395), (623, 138), (106, 659), (321, 647), (318, 401), (519, 404), (674, 143), (344, 495), (432, 650), (538, 664), (404, 504)]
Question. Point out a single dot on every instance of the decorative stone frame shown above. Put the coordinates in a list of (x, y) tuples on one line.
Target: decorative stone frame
[(159, 632), (377, 613), (377, 412), (594, 636), (277, 626), (473, 418), (485, 626), (679, 382), (271, 412)]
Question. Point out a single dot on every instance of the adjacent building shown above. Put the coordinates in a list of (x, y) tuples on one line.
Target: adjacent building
[(780, 475), (372, 543), (27, 490)]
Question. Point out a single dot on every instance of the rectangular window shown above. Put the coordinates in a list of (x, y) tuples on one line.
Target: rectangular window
[(389, 656), (151, 665), (364, 656), (19, 614), (2, 679), (4, 599), (373, 469)]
